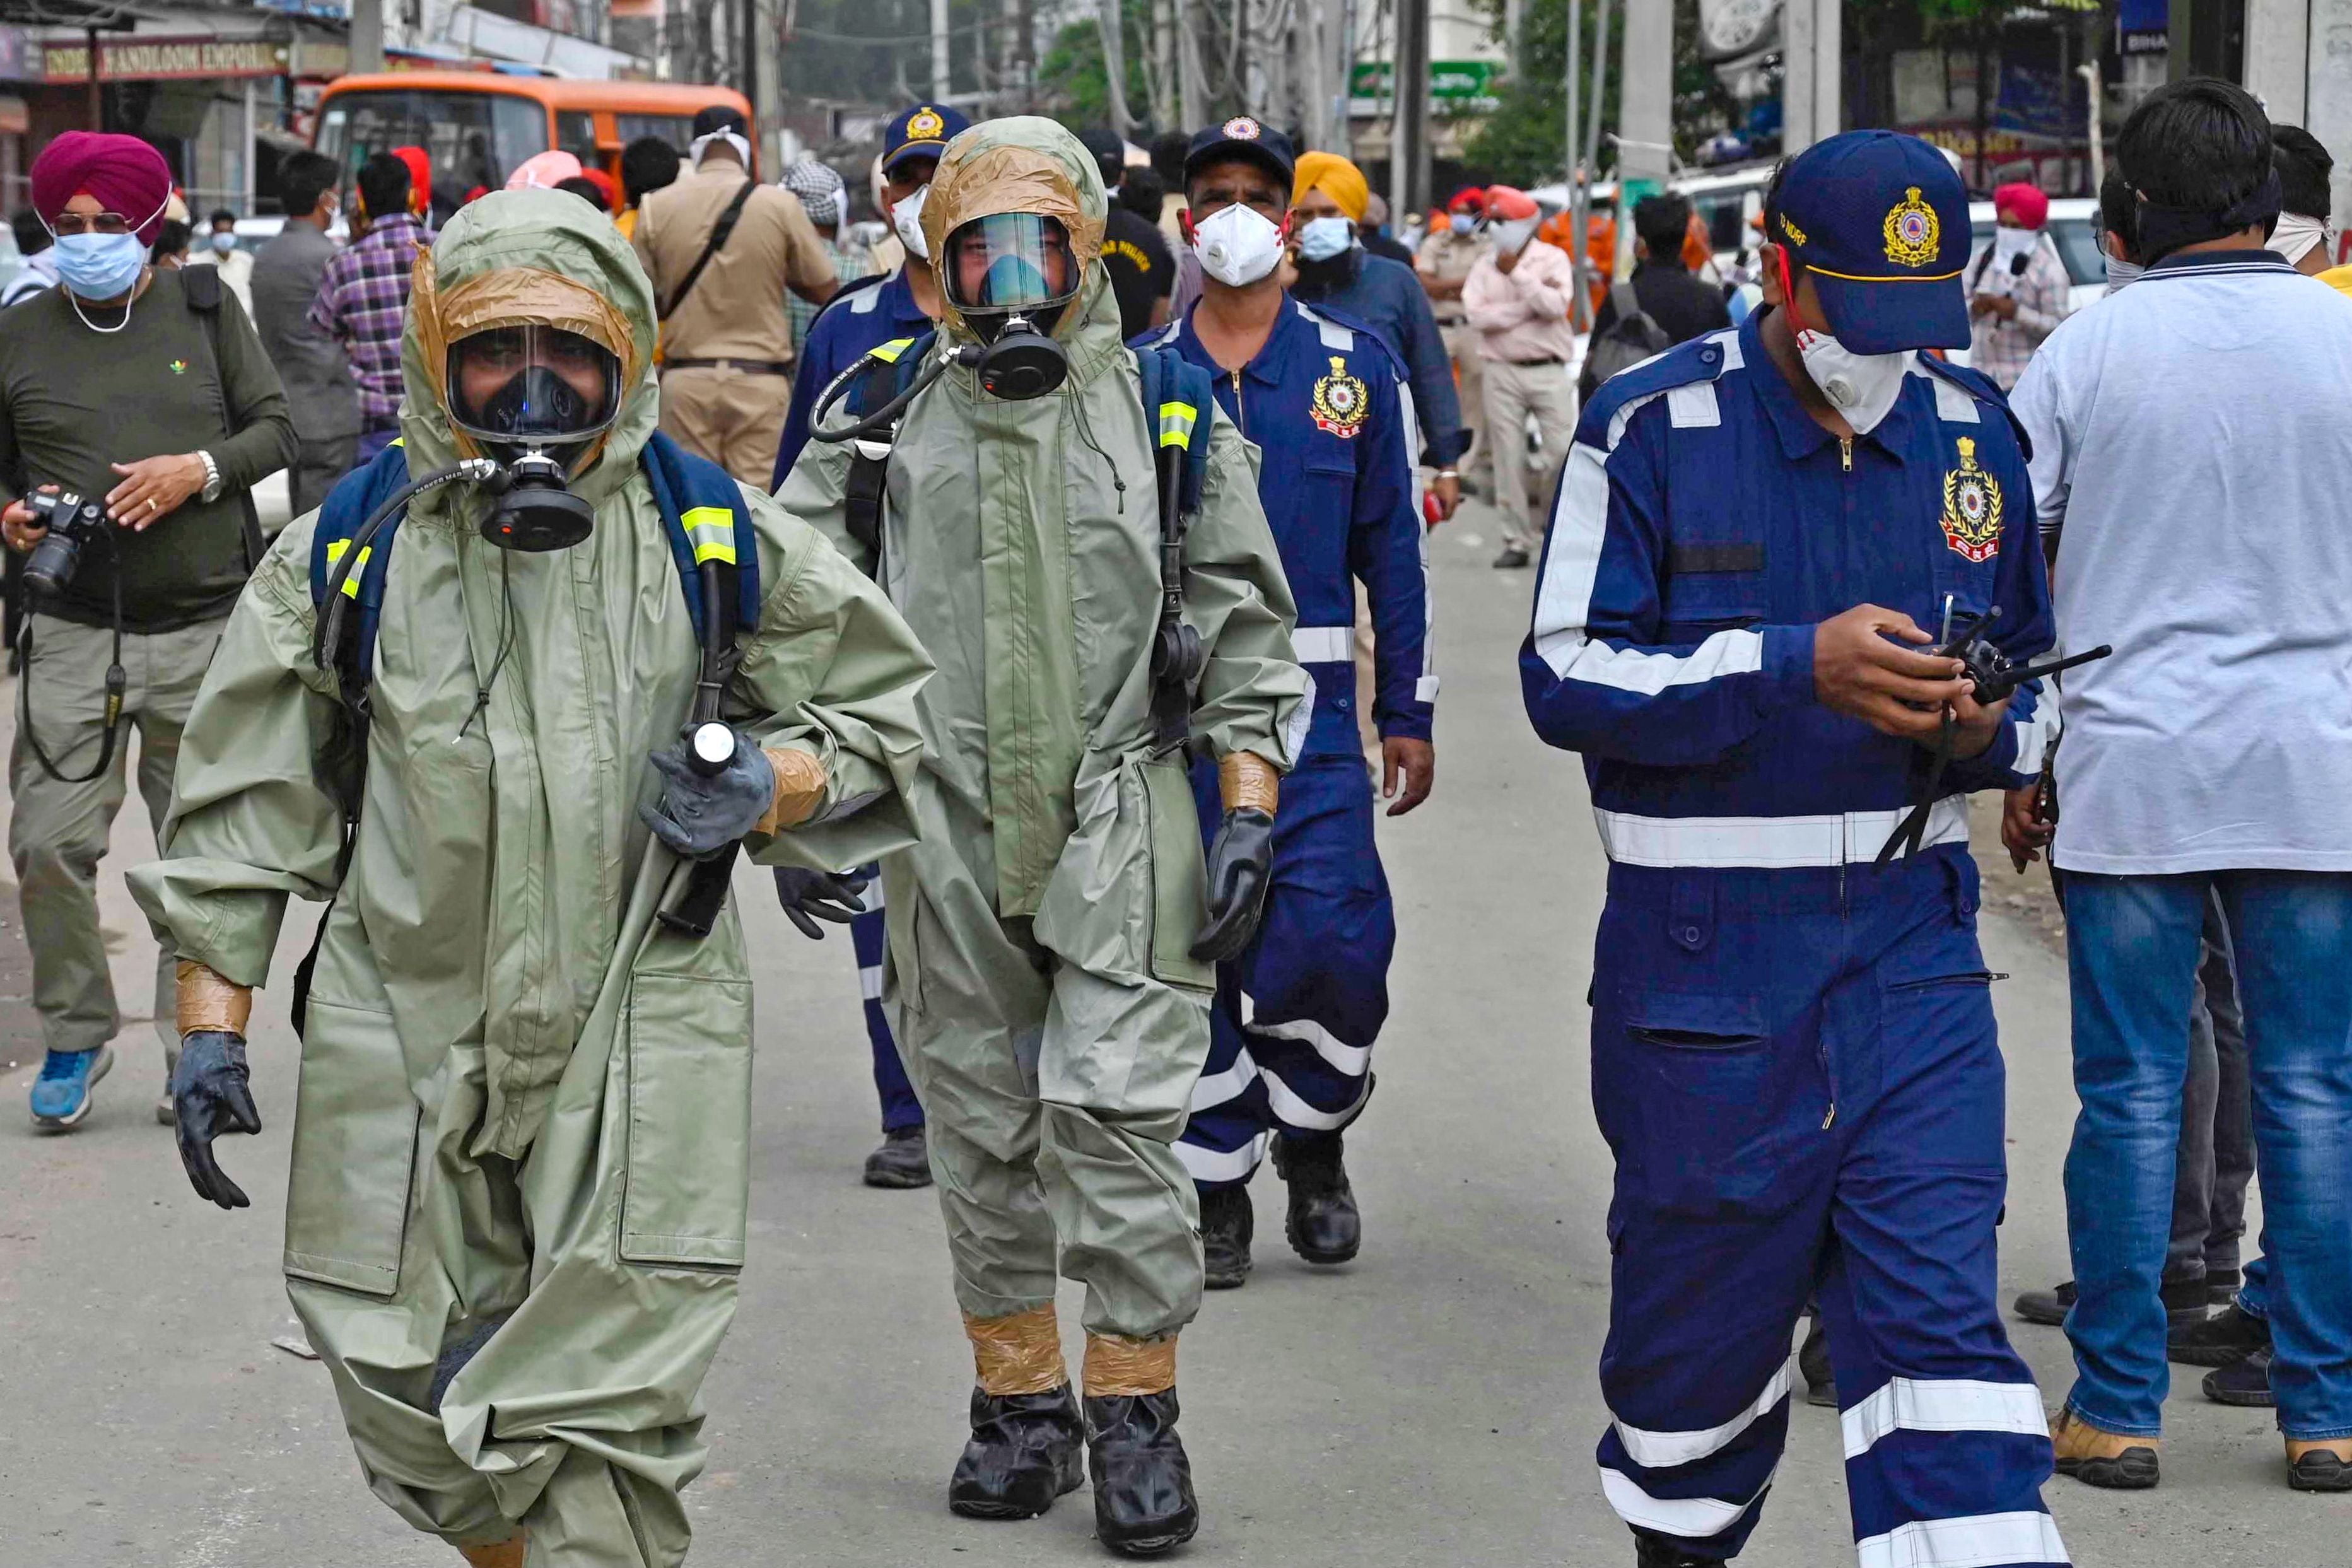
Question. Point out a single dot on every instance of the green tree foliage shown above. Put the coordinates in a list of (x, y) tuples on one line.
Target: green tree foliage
[(1073, 77)]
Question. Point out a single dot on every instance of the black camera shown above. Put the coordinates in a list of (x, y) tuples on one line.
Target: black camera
[(72, 521)]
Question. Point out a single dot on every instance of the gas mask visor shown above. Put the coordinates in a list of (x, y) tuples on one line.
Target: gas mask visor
[(536, 398), (1012, 274)]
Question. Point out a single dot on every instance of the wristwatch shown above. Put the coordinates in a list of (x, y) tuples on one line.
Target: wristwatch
[(212, 490)]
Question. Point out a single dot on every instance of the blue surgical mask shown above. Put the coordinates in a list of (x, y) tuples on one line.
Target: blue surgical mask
[(224, 242), (99, 266), (1325, 237)]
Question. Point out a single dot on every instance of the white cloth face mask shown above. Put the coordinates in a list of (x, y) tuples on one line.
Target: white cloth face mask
[(907, 219), (1237, 245), (2296, 234), (1862, 387)]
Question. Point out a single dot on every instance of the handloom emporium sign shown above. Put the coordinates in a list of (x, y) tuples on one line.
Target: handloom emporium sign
[(163, 59)]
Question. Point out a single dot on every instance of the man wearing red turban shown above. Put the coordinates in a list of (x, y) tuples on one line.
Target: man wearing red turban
[(2017, 285), (148, 393)]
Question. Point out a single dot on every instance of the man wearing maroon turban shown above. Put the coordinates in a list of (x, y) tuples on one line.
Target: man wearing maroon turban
[(147, 392)]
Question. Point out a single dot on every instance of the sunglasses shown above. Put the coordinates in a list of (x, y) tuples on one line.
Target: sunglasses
[(87, 223)]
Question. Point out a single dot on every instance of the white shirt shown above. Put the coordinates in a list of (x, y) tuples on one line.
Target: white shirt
[(2192, 435)]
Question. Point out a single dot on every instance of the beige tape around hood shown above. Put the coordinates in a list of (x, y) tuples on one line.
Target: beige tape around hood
[(512, 297), (1022, 164)]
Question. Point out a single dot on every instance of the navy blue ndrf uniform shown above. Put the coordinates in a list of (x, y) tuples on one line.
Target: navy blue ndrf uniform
[(861, 319), (1794, 1057), (1295, 1015)]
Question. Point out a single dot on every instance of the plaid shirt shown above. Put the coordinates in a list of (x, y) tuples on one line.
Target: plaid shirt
[(849, 264), (2002, 349), (363, 304)]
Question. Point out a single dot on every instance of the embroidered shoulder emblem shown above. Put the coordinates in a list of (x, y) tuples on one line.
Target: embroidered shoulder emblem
[(1340, 402), (1913, 233), (1972, 506)]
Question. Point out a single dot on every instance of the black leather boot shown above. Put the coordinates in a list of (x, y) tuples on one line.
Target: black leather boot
[(1652, 1552), (1143, 1482), (1227, 1225), (1323, 1225), (1022, 1455)]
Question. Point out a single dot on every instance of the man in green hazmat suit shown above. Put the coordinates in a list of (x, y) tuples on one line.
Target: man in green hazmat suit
[(515, 1210), (1053, 937)]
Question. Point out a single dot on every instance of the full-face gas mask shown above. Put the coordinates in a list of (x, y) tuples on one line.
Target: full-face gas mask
[(535, 399), (1012, 274)]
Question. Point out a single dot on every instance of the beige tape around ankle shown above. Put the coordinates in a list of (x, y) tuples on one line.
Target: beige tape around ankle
[(209, 1002), (799, 789), (1116, 1365), (1246, 781), (1020, 1352), (504, 1554)]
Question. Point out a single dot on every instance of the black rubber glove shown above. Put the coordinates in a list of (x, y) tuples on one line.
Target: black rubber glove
[(702, 814), (210, 1095), (1241, 868), (811, 896)]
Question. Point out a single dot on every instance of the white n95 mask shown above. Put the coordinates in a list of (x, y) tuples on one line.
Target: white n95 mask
[(907, 220), (1237, 245), (1862, 387)]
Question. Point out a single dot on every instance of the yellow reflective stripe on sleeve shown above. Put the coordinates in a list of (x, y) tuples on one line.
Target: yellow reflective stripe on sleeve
[(711, 531), (359, 567), (889, 353), (1176, 421)]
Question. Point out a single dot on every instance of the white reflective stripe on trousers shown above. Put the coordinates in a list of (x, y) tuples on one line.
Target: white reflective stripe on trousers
[(1769, 842), (1210, 1090), (1664, 1450), (1224, 1165), (1943, 1404), (1692, 1519), (1324, 645), (1980, 1540)]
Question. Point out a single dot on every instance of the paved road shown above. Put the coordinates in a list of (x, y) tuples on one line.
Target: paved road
[(1433, 1405)]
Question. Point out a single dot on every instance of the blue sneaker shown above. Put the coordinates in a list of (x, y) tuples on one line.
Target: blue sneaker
[(61, 1094)]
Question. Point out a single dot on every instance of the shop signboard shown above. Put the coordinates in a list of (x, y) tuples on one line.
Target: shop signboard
[(1456, 87), (164, 60)]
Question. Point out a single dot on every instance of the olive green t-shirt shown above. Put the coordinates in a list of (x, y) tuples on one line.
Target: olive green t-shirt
[(73, 401)]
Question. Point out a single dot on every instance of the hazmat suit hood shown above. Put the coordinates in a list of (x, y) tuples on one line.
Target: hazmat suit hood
[(1023, 165), (526, 257)]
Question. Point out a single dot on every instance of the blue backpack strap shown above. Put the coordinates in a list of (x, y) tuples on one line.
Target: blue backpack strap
[(705, 517), (349, 506), (1179, 400)]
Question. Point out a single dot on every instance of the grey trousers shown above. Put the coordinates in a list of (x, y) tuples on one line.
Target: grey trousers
[(2216, 1139), (58, 832)]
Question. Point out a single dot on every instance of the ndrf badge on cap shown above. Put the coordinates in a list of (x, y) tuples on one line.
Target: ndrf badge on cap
[(1913, 233), (1242, 128)]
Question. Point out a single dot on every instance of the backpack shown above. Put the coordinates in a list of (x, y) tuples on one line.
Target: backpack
[(1631, 338), (710, 536), (201, 287), (1178, 402)]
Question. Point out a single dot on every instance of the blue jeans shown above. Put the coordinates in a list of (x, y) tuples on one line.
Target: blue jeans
[(2133, 949)]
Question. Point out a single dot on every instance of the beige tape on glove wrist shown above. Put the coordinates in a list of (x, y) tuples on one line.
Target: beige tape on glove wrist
[(1020, 1352), (799, 789), (1248, 782), (1116, 1365), (209, 1002)]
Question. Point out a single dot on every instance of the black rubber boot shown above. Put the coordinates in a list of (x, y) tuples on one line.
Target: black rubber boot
[(1323, 1223), (1022, 1455), (2047, 1307), (1143, 1481), (1227, 1225), (2244, 1383), (903, 1160), (1814, 1360), (1652, 1551), (2229, 1335)]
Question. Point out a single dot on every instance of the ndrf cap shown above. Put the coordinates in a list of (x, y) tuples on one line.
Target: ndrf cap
[(1881, 221), (922, 132), (1242, 136)]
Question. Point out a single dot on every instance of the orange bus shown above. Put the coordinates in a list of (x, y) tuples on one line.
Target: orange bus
[(477, 126)]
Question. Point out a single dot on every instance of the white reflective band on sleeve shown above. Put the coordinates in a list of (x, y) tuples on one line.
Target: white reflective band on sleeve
[(1425, 688), (1664, 1450), (1974, 1542), (869, 983), (1302, 718), (1692, 1519), (1215, 1088), (1224, 1165), (1324, 645), (2034, 735), (1769, 842), (1943, 1404)]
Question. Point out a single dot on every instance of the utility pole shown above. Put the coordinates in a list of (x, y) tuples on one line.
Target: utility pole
[(1811, 101), (1580, 187), (1408, 141), (766, 77), (1575, 175), (1645, 117), (940, 66), (367, 36), (1111, 26)]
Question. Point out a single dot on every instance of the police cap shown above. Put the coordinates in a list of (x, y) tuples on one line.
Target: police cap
[(1881, 221), (922, 132), (1242, 137)]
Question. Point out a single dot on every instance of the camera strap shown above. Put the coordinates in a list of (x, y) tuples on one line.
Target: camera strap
[(118, 681)]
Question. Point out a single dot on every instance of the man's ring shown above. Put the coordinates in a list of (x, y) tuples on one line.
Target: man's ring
[(150, 503)]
